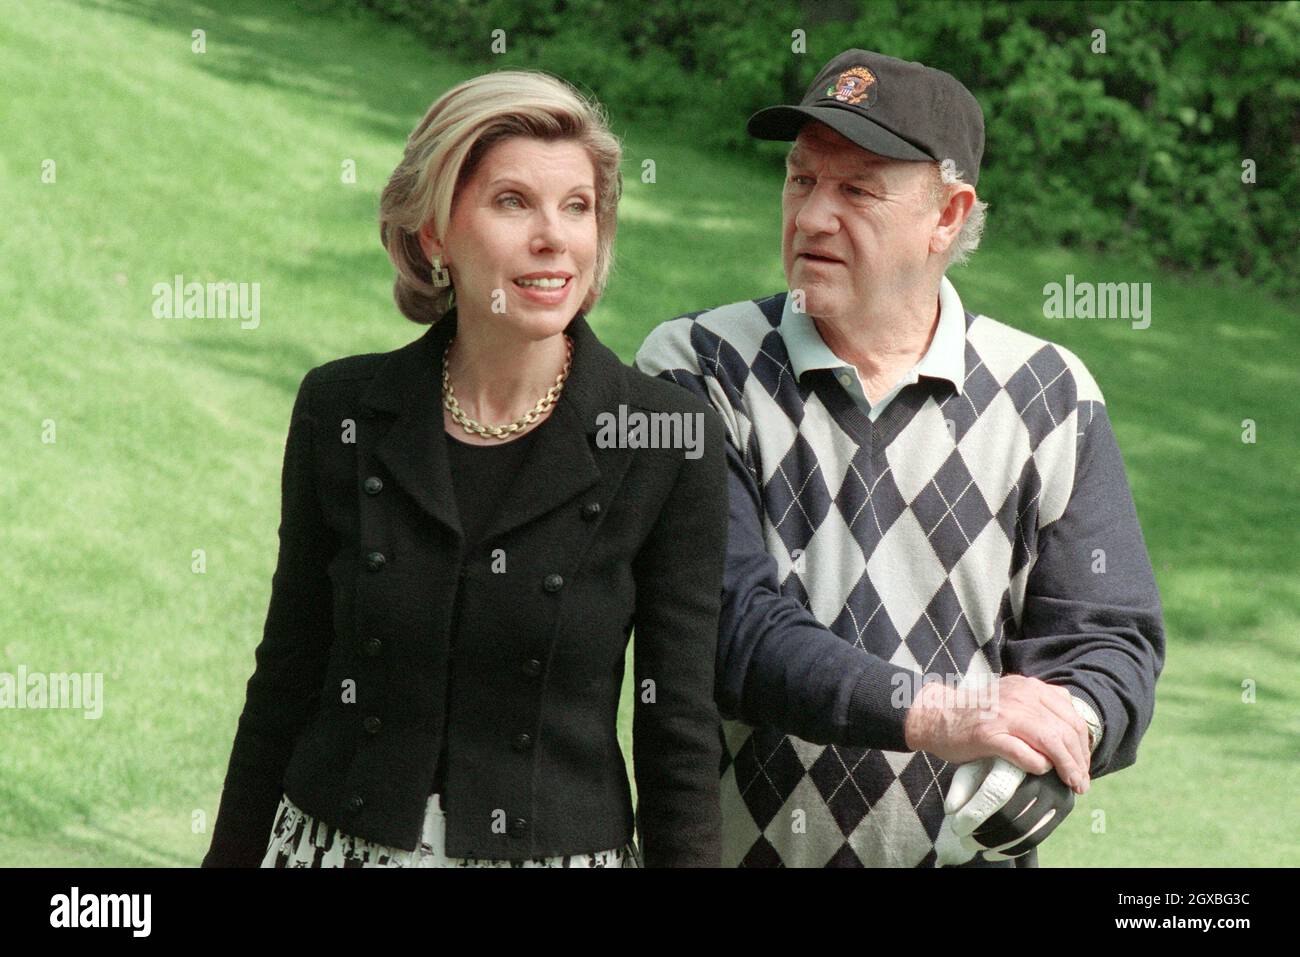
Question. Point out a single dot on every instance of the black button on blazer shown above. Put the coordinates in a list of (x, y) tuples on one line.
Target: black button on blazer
[(357, 683)]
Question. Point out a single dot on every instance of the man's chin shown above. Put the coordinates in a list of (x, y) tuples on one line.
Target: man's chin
[(817, 299), (821, 306)]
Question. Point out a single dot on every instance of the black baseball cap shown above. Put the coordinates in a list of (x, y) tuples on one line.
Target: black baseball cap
[(895, 108)]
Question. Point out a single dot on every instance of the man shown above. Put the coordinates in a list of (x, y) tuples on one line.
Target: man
[(914, 491)]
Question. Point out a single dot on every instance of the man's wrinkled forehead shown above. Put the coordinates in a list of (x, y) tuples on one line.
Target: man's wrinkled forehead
[(816, 144)]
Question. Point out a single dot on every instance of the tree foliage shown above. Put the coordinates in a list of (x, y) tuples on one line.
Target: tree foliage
[(1142, 148)]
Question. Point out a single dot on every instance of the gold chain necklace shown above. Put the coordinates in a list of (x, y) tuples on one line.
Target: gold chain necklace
[(524, 421)]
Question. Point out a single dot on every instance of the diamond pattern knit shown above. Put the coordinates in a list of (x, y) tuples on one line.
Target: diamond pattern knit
[(911, 537)]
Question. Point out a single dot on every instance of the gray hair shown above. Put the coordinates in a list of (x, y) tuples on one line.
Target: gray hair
[(968, 240)]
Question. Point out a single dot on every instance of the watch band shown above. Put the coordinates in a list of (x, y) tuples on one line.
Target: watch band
[(1090, 718)]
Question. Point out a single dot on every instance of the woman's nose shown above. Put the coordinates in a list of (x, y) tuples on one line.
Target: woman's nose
[(548, 236)]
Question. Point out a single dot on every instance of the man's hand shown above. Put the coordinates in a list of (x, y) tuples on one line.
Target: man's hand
[(995, 808), (1030, 723)]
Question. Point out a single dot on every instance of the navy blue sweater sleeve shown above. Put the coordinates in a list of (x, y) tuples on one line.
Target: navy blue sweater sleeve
[(778, 666), (1092, 618)]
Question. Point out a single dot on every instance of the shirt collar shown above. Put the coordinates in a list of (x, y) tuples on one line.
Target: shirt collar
[(944, 359)]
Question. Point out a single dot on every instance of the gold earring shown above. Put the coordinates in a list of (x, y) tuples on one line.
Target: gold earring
[(440, 276)]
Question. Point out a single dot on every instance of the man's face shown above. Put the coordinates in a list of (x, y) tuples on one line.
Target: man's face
[(856, 227)]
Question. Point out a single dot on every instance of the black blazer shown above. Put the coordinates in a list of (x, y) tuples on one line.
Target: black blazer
[(350, 700)]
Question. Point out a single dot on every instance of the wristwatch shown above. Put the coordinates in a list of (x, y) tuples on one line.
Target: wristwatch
[(1091, 719)]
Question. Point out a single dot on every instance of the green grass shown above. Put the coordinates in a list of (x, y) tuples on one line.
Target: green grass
[(226, 166)]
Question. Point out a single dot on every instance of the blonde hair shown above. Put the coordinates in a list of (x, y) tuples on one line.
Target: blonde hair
[(450, 142)]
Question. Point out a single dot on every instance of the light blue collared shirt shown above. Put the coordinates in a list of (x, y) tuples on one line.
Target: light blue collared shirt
[(944, 359)]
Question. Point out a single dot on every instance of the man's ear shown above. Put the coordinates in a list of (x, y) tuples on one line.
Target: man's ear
[(961, 199)]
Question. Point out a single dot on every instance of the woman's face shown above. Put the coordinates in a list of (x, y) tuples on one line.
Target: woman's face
[(521, 243)]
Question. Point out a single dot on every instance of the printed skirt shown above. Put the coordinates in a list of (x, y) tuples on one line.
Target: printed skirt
[(299, 840)]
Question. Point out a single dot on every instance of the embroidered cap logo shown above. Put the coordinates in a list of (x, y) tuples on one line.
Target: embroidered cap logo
[(853, 86)]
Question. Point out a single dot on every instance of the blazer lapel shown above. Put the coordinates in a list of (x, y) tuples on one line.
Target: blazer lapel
[(409, 384), (560, 464)]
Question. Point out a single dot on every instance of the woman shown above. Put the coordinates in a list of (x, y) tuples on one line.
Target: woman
[(464, 552)]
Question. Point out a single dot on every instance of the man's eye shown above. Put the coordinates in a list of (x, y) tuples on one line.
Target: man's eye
[(800, 180), (858, 191)]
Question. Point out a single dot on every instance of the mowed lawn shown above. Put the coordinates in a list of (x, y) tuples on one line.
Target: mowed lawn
[(228, 166)]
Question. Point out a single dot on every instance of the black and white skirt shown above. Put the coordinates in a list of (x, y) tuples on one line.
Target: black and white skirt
[(299, 840)]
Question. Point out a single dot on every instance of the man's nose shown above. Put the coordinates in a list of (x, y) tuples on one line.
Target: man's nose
[(817, 214)]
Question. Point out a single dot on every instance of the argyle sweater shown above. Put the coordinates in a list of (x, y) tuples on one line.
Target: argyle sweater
[(965, 533)]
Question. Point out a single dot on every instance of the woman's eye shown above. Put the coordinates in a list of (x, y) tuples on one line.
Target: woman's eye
[(579, 206), (510, 201)]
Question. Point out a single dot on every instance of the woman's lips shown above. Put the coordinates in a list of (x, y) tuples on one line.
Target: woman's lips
[(543, 296)]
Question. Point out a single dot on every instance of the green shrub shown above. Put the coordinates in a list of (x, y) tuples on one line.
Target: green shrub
[(1138, 149)]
